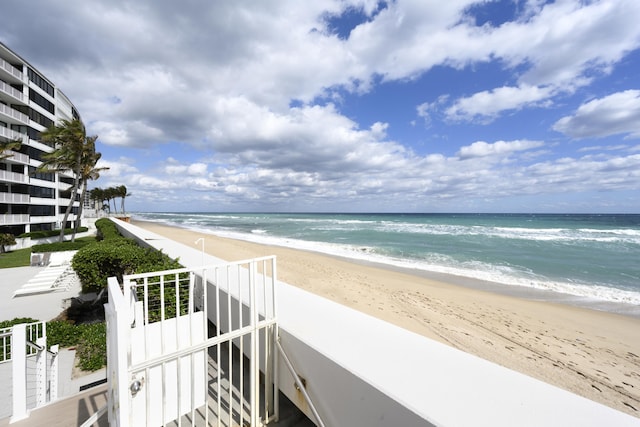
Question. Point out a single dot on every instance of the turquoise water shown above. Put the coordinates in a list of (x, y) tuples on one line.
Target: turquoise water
[(592, 256)]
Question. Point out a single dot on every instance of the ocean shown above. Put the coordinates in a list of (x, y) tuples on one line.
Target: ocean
[(594, 258)]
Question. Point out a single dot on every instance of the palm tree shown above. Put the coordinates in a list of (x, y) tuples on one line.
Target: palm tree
[(88, 171), (111, 194), (122, 193), (71, 145), (98, 195)]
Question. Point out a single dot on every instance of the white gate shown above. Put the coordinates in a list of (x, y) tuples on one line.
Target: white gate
[(193, 346)]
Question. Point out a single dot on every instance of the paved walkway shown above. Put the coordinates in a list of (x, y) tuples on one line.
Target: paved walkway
[(44, 306)]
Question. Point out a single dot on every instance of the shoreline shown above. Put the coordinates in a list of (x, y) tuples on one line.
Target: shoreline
[(592, 353)]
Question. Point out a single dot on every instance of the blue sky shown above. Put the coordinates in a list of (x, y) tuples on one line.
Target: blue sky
[(405, 106)]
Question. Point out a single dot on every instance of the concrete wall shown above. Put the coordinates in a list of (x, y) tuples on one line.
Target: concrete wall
[(361, 371)]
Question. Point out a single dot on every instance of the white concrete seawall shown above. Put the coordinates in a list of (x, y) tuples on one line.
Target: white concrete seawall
[(362, 371)]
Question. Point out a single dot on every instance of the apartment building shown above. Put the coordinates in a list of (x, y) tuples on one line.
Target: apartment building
[(30, 103)]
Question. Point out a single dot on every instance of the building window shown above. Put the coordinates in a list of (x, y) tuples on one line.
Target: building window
[(39, 210), (41, 82), (45, 176), (41, 101), (45, 193)]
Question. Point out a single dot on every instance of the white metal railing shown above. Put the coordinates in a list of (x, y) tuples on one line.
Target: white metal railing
[(11, 219), (17, 157), (197, 341), (34, 368), (12, 176), (10, 90), (8, 111), (10, 69), (5, 345), (12, 134), (14, 198)]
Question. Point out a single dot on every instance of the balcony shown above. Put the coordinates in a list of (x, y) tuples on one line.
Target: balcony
[(11, 219), (13, 177), (10, 70), (9, 113), (43, 201), (14, 198), (42, 219), (11, 134), (15, 157), (11, 91)]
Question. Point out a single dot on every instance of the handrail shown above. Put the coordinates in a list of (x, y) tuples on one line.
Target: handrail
[(95, 416), (299, 384), (34, 345)]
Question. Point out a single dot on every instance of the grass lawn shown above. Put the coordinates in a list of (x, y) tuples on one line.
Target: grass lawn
[(19, 258), (22, 257)]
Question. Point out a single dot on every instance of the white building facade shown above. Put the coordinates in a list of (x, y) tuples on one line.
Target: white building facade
[(29, 104)]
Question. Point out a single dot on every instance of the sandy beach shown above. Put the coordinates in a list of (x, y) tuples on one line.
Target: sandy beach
[(592, 353)]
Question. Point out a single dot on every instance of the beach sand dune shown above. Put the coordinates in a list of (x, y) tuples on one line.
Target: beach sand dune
[(591, 353)]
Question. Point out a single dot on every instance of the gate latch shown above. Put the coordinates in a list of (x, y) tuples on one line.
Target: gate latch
[(136, 385)]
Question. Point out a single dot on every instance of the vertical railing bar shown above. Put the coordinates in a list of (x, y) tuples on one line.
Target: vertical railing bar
[(163, 370), (254, 367), (268, 372), (176, 289), (276, 327), (147, 395), (145, 289), (162, 303), (230, 371), (205, 331), (190, 307), (229, 347), (218, 349), (241, 361)]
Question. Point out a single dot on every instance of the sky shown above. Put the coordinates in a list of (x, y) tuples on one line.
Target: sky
[(350, 106)]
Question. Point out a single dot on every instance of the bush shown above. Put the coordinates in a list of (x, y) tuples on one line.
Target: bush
[(107, 229), (60, 246), (115, 256), (92, 347), (63, 333), (6, 239), (50, 233)]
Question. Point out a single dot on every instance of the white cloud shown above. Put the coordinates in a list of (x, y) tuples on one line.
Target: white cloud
[(615, 114), (118, 168), (194, 169), (500, 148), (248, 84), (488, 104)]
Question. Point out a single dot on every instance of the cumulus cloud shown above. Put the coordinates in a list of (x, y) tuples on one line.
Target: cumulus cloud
[(615, 114), (483, 149), (488, 104), (254, 92)]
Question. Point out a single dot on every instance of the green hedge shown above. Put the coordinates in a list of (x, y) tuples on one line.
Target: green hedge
[(50, 233), (115, 256), (107, 229), (60, 246)]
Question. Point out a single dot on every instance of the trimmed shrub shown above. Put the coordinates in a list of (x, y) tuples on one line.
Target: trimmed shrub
[(50, 233), (60, 246), (6, 239), (64, 333), (115, 256), (106, 229), (92, 347)]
